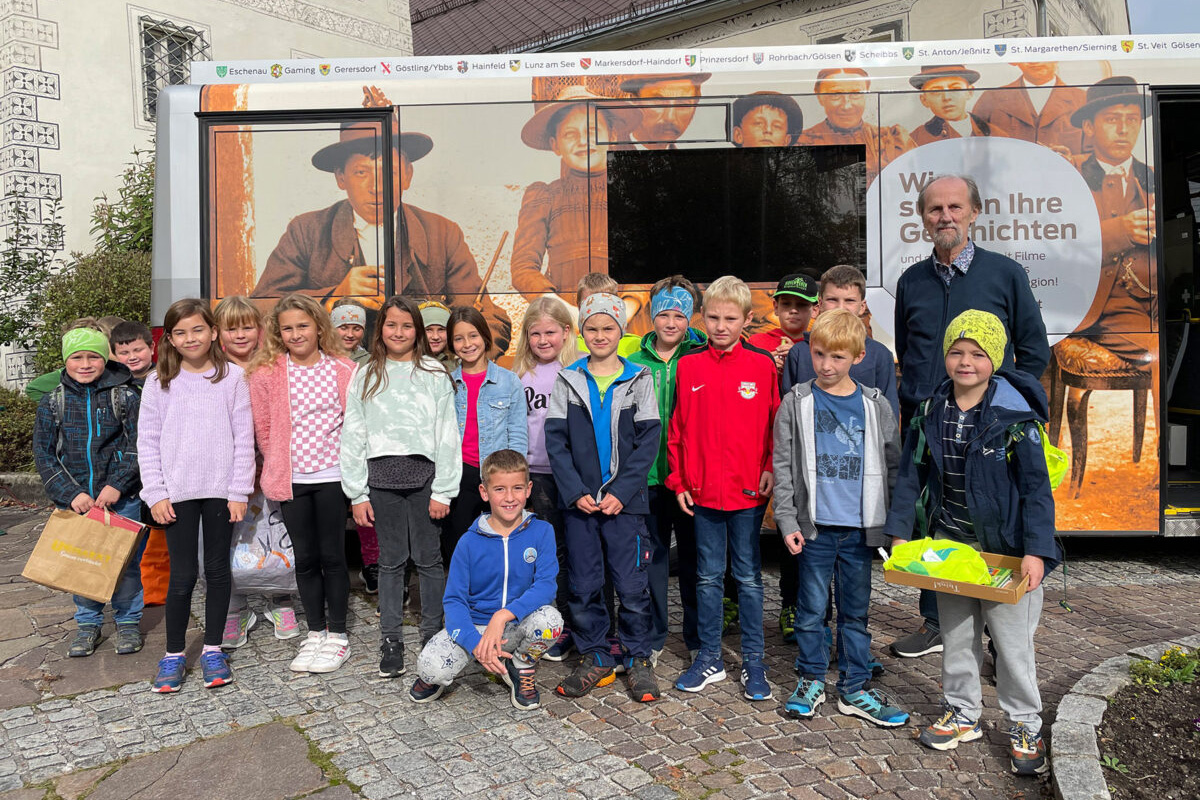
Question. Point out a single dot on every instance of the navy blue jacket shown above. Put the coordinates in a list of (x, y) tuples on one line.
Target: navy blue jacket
[(1010, 501), (925, 305), (877, 370)]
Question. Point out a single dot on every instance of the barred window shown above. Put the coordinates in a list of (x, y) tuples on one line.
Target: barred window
[(168, 51)]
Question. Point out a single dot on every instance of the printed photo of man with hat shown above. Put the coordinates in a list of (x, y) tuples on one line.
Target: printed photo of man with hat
[(668, 112), (1036, 107), (765, 119), (337, 252), (565, 223), (946, 90)]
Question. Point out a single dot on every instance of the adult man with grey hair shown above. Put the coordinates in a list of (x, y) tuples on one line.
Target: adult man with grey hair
[(958, 275)]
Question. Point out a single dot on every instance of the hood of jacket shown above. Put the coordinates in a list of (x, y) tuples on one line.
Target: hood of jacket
[(1013, 396), (115, 374)]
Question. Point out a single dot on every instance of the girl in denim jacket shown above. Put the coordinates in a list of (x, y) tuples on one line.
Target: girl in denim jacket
[(490, 403)]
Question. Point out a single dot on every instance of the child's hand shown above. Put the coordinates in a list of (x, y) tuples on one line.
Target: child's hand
[(82, 503), (610, 505), (108, 495), (794, 542), (766, 483), (163, 512), (237, 511), (1035, 568), (364, 515), (897, 541), (438, 510), (685, 503), (587, 504), (490, 649)]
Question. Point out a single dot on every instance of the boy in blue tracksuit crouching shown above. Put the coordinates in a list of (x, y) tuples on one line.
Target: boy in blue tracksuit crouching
[(977, 450)]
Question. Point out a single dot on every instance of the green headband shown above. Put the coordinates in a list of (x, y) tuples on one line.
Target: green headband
[(81, 339)]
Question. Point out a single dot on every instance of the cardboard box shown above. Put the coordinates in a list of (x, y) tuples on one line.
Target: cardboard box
[(1012, 593)]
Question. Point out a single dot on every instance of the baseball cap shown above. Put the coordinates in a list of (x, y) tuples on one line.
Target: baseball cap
[(799, 285)]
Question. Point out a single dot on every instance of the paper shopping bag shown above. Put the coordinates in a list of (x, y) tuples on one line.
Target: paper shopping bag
[(81, 555)]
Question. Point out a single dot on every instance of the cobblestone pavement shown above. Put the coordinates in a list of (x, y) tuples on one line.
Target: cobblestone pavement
[(66, 715)]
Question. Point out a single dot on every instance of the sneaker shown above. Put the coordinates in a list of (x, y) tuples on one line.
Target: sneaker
[(237, 629), (171, 670), (619, 654), (391, 658), (754, 680), (215, 668), (730, 614), (561, 648), (787, 624), (370, 578), (702, 672), (643, 685), (85, 641), (1027, 751), (332, 653), (918, 644), (422, 692), (806, 699), (523, 693), (308, 649), (284, 620), (950, 729), (590, 672), (129, 639), (873, 705)]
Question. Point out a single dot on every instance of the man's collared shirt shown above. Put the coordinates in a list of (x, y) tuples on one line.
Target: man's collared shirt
[(369, 239), (960, 264), (1122, 171)]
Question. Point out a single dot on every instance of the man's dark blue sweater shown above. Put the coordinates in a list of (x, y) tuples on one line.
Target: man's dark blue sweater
[(925, 304)]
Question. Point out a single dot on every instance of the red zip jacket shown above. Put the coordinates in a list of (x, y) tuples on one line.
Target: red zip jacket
[(720, 439)]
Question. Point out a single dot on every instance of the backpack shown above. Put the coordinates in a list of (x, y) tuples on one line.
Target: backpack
[(118, 401)]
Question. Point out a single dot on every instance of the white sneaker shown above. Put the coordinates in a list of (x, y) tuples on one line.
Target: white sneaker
[(332, 653), (308, 650)]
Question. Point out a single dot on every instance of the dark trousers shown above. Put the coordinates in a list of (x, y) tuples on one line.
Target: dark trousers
[(615, 545), (464, 510), (183, 543), (405, 532), (316, 521), (544, 502), (927, 604), (666, 517)]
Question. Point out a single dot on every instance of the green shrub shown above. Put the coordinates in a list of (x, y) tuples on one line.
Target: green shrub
[(16, 431), (1175, 666), (103, 283)]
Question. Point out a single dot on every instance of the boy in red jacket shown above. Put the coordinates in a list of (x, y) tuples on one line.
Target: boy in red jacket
[(719, 455)]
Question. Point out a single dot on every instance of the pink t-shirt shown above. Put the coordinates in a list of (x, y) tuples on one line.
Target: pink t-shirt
[(470, 444)]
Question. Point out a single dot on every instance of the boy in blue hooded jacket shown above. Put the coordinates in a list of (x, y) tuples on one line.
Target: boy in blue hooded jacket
[(976, 448), (502, 581)]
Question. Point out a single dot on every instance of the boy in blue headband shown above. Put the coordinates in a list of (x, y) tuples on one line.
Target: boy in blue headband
[(673, 300)]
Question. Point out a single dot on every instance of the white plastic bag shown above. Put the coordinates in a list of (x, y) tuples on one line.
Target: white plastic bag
[(260, 554)]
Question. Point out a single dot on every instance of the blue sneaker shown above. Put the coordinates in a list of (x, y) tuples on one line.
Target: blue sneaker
[(754, 680), (874, 706), (804, 701), (703, 671), (171, 670), (215, 668), (561, 648)]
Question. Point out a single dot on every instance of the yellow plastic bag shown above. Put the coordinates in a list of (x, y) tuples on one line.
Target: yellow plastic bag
[(942, 558)]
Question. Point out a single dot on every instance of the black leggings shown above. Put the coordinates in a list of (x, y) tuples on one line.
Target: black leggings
[(464, 510), (316, 521), (183, 537)]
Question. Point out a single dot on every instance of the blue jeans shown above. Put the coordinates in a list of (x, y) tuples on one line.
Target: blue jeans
[(127, 601), (842, 552), (739, 531)]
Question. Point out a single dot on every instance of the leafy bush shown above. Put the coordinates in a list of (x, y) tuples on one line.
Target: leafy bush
[(127, 223), (1175, 666), (27, 261), (103, 283), (16, 431)]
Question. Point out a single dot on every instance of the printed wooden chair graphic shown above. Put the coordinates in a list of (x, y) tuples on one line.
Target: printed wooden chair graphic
[(1084, 367)]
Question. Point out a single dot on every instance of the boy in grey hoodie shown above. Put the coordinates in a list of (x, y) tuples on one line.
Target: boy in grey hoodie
[(837, 451)]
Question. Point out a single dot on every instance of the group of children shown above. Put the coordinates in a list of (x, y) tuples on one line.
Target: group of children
[(537, 506)]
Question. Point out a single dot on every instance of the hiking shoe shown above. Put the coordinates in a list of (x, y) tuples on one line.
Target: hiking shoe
[(703, 671), (522, 691), (729, 615), (805, 700), (876, 668), (332, 653), (873, 705), (215, 668), (128, 639), (950, 729), (370, 578), (787, 624), (1027, 751), (308, 649), (391, 657), (590, 672), (618, 653), (561, 648), (283, 617), (237, 629), (918, 644), (85, 641), (171, 670), (754, 680), (422, 692), (643, 685)]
